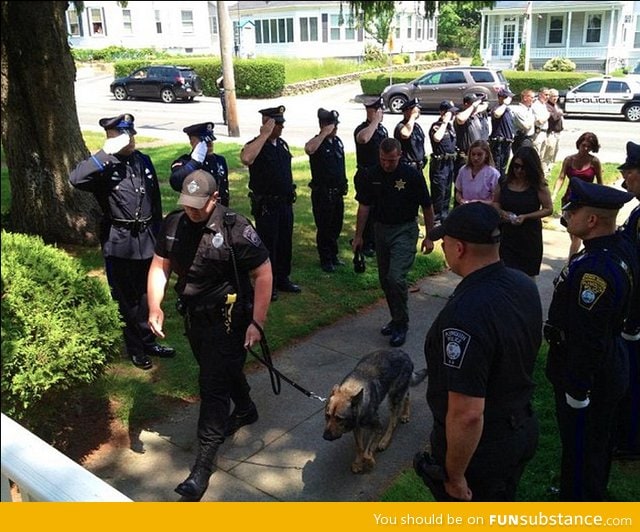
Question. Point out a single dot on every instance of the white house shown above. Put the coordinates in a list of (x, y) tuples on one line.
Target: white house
[(275, 29), (600, 36)]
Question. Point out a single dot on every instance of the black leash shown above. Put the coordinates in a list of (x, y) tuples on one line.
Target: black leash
[(274, 374)]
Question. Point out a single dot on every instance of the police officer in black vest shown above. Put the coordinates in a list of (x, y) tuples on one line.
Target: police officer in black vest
[(224, 286), (471, 124), (588, 362), (201, 138), (411, 136), (481, 352), (368, 135), (273, 193), (124, 182), (502, 131), (328, 187), (441, 167)]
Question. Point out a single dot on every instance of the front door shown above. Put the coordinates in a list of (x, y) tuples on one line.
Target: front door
[(508, 39)]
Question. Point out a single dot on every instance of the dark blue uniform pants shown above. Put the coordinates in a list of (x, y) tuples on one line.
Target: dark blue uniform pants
[(127, 279), (501, 150), (328, 213), (221, 357), (628, 430), (441, 180), (274, 223)]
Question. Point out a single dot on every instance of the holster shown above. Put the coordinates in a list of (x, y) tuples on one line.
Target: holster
[(553, 335)]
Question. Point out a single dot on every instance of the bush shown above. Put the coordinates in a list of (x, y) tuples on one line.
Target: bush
[(476, 60), (374, 54), (559, 64), (60, 328), (536, 79)]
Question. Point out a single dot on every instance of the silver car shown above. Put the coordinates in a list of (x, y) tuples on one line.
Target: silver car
[(450, 83)]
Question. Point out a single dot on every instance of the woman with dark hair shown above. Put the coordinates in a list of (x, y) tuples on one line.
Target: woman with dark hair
[(523, 199), (583, 165)]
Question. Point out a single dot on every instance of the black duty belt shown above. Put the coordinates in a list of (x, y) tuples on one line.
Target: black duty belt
[(500, 139), (267, 198), (444, 156), (139, 225)]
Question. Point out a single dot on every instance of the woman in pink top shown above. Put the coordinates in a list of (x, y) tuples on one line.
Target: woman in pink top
[(583, 165), (477, 179)]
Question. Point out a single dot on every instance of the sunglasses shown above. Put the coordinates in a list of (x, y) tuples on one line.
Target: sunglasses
[(517, 166)]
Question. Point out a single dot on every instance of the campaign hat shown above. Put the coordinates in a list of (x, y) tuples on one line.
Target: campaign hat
[(204, 131), (475, 222)]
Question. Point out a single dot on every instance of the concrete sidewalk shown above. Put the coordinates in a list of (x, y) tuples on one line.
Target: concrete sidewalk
[(283, 456)]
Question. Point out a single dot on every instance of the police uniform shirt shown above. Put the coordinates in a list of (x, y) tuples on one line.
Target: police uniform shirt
[(213, 163), (126, 188), (368, 154), (396, 196), (469, 132), (502, 127), (484, 343), (200, 254), (413, 147), (328, 165), (448, 142), (590, 301), (270, 174)]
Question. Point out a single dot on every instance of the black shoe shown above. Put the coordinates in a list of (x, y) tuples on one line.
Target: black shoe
[(196, 484), (328, 267), (387, 330), (274, 294), (142, 361), (240, 419), (398, 337), (288, 286), (369, 251), (162, 351), (337, 262)]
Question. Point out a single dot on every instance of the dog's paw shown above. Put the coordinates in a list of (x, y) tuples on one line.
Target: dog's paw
[(356, 467), (383, 444), (367, 463)]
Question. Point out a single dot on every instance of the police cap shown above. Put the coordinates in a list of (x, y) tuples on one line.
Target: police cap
[(583, 194), (447, 105), (203, 131), (277, 113), (373, 102), (470, 98), (414, 102), (122, 123), (474, 222), (197, 188), (633, 157), (505, 93), (328, 117)]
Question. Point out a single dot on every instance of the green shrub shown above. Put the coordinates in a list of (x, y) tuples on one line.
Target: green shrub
[(536, 79), (521, 58), (559, 64), (373, 53), (476, 60), (60, 328), (398, 59)]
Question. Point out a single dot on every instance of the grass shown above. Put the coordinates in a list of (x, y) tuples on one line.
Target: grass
[(297, 70)]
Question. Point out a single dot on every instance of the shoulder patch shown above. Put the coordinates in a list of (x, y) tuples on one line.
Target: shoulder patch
[(251, 235), (455, 343), (591, 288)]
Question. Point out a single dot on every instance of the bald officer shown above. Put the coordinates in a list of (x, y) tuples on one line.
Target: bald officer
[(588, 363)]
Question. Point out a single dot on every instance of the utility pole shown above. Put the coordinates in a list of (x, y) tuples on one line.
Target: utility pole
[(226, 57)]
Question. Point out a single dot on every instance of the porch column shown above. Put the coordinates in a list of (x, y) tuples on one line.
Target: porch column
[(610, 53), (568, 39)]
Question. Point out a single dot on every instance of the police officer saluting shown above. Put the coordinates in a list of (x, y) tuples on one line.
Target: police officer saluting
[(443, 157), (328, 187), (273, 193), (201, 138), (411, 135), (481, 352), (502, 131), (224, 287), (588, 362), (124, 182)]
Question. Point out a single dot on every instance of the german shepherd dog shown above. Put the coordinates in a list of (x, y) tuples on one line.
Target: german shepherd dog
[(353, 404)]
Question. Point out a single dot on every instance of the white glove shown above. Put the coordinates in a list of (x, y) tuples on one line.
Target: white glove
[(575, 403), (199, 152), (115, 144)]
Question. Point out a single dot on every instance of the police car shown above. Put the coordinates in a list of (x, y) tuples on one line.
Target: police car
[(604, 96)]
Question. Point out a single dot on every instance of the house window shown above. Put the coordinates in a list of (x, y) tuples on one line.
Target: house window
[(350, 30), (432, 30), (409, 24), (213, 24), (397, 26), (593, 29), (636, 38), (277, 30), (419, 29), (96, 23), (335, 27), (308, 29), (126, 22), (73, 23), (555, 32), (187, 21), (158, 21)]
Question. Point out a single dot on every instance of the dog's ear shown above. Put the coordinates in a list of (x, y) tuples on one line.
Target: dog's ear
[(357, 399)]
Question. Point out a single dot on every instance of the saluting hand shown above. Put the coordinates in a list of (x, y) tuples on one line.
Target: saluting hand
[(116, 144), (267, 127), (327, 130), (200, 151)]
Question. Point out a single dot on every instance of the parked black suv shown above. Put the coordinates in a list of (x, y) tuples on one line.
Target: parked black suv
[(159, 82)]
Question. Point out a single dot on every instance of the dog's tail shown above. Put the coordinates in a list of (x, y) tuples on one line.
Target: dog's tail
[(418, 376)]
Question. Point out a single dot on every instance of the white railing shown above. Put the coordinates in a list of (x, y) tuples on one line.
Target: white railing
[(42, 473)]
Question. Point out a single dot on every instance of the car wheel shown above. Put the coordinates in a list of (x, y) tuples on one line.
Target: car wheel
[(120, 93), (632, 113), (189, 98), (396, 102), (167, 96)]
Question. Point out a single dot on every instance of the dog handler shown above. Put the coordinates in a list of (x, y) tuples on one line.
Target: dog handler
[(480, 354), (224, 288)]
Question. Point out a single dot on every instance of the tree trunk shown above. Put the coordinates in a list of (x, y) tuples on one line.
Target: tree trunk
[(40, 130)]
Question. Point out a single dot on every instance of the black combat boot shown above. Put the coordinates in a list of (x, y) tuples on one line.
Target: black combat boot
[(196, 484)]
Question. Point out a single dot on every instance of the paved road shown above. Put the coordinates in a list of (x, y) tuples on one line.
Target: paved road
[(94, 101)]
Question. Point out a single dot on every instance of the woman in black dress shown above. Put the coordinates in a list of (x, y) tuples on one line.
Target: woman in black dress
[(523, 199)]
